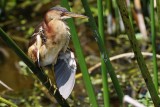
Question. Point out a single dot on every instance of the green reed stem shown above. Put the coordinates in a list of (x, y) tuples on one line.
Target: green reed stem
[(81, 60), (108, 5), (103, 66), (138, 55), (153, 35), (158, 13), (117, 16), (130, 13)]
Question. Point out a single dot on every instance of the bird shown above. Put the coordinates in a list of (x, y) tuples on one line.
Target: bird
[(48, 46)]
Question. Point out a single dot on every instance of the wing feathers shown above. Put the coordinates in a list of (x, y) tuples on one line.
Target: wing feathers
[(65, 70)]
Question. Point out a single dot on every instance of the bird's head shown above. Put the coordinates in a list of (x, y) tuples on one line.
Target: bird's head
[(60, 13)]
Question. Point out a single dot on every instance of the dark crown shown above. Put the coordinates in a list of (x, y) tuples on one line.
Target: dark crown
[(58, 8)]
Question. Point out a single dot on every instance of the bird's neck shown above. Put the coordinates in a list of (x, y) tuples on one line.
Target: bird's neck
[(56, 27)]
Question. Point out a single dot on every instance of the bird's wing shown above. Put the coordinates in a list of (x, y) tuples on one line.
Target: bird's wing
[(38, 31), (35, 43), (65, 70)]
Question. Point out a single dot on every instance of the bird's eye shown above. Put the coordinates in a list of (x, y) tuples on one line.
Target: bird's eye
[(62, 14)]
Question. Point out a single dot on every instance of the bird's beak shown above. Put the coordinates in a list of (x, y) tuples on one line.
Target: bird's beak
[(70, 15)]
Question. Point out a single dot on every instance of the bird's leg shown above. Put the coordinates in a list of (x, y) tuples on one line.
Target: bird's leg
[(53, 78)]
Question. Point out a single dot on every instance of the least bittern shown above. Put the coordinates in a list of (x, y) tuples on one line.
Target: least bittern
[(49, 46)]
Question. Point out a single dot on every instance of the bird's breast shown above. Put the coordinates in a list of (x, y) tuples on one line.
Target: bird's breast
[(58, 37)]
